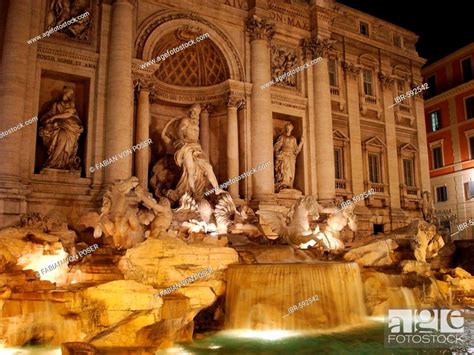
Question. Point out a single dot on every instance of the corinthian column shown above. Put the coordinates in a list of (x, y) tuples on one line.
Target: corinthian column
[(233, 104), (13, 84), (261, 127), (204, 128), (322, 118), (119, 117), (142, 132)]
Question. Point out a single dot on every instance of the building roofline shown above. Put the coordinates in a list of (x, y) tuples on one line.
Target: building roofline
[(390, 24), (448, 58)]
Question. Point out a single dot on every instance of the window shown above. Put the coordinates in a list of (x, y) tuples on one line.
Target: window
[(441, 194), (338, 163), (431, 80), (471, 147), (466, 67), (437, 158), (374, 168), (397, 41), (400, 86), (408, 172), (469, 103), (332, 72), (364, 28), (469, 189), (368, 86), (435, 121)]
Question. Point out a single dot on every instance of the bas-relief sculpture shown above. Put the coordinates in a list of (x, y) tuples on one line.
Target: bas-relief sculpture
[(197, 175), (60, 128), (283, 60), (61, 11), (286, 150)]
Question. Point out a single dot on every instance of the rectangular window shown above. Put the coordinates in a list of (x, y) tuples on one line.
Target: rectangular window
[(408, 172), (397, 41), (431, 81), (368, 86), (332, 72), (435, 119), (469, 189), (338, 163), (471, 147), (469, 102), (466, 66), (437, 158), (400, 86), (374, 168), (441, 194), (364, 28)]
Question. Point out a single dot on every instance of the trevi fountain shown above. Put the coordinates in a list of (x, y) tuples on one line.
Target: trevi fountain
[(200, 216)]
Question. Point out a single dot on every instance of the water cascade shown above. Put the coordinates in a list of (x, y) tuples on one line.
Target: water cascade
[(258, 296)]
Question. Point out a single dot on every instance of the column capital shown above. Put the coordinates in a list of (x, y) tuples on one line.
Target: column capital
[(317, 47), (386, 80), (351, 69), (260, 28), (235, 100), (208, 107)]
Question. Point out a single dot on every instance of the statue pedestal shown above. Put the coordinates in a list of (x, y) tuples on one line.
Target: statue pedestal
[(60, 172), (287, 197)]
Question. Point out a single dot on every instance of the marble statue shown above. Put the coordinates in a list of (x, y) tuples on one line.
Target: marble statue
[(283, 60), (183, 134), (127, 210), (427, 243), (296, 226), (428, 207), (286, 150), (60, 128)]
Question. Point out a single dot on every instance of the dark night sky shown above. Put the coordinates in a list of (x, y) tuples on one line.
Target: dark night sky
[(443, 26)]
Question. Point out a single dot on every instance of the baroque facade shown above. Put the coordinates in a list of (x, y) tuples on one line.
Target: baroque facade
[(449, 107), (353, 141)]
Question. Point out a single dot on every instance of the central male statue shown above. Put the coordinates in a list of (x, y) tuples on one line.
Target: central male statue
[(189, 156)]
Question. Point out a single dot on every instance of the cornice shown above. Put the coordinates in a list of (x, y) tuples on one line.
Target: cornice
[(450, 93)]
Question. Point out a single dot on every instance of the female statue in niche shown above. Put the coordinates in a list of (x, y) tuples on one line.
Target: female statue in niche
[(60, 128), (286, 150)]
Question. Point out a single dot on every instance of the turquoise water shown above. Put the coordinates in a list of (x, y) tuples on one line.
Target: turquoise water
[(366, 340)]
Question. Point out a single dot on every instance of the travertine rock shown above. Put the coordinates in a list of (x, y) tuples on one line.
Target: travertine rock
[(415, 266), (166, 261), (374, 254)]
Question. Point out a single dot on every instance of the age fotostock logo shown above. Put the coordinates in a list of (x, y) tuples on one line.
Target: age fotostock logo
[(424, 328)]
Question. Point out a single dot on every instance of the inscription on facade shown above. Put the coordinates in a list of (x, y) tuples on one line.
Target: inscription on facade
[(289, 20), (67, 61), (238, 4)]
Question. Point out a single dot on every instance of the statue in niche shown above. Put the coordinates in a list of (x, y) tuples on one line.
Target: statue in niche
[(60, 128), (183, 134), (286, 150), (61, 11)]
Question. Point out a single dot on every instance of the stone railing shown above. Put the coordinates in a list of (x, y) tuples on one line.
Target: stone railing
[(334, 91), (370, 100), (341, 184), (378, 187)]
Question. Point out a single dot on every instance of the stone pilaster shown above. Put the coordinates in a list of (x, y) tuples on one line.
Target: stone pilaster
[(13, 84), (319, 47), (261, 128), (357, 174), (387, 86), (142, 131), (119, 114)]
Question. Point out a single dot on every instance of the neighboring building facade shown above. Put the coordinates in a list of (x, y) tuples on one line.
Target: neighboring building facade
[(353, 140), (449, 108)]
